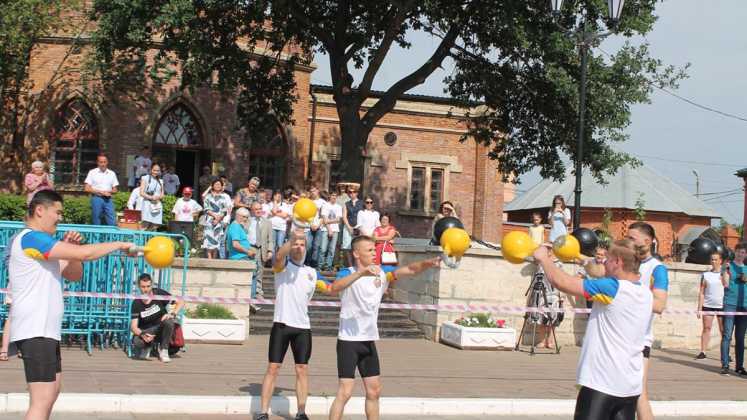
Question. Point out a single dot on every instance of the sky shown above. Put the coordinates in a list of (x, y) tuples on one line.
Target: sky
[(669, 135)]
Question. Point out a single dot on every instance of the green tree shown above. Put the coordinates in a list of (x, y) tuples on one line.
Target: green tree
[(512, 56), (23, 24)]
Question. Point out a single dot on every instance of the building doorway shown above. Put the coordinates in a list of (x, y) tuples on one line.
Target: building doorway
[(178, 143)]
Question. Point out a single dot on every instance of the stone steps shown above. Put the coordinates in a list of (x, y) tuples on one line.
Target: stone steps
[(393, 323)]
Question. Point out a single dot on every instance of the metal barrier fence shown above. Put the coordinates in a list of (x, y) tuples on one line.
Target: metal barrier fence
[(96, 320)]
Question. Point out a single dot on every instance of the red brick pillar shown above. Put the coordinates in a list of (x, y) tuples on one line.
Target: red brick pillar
[(487, 222), (742, 173)]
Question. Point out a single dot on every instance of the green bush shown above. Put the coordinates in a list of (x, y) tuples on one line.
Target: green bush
[(12, 207), (120, 200), (77, 210), (210, 311)]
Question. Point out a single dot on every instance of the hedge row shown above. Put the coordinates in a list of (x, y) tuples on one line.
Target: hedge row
[(77, 209)]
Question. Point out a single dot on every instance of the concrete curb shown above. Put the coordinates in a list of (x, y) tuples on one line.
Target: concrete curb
[(201, 404)]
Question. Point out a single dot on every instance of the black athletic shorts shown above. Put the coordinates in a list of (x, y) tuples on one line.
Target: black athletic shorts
[(41, 359), (595, 405), (646, 352), (299, 340), (360, 354), (707, 309)]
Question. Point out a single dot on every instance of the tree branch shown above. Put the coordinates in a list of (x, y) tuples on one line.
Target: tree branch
[(364, 89), (417, 77)]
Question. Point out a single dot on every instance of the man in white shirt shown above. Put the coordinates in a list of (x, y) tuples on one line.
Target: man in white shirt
[(185, 208), (610, 367), (102, 182), (37, 264), (316, 224), (361, 288), (141, 166), (331, 216), (294, 285), (170, 181)]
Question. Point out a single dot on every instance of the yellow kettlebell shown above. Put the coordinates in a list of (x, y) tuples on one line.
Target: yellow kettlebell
[(159, 251), (455, 242), (304, 210), (566, 248), (517, 246)]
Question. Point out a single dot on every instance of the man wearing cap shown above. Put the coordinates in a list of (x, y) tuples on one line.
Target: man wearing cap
[(185, 208)]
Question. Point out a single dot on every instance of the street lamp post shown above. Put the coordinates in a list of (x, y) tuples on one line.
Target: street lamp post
[(585, 39)]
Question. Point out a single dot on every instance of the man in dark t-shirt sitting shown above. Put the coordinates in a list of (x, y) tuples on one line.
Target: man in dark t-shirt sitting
[(151, 322)]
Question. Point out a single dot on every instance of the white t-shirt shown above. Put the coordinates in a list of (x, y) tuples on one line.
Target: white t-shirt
[(266, 210), (170, 183), (294, 287), (359, 306), (611, 359), (184, 210), (368, 220), (713, 296), (135, 202), (654, 275), (36, 286), (331, 212), (102, 181), (320, 203), (280, 223)]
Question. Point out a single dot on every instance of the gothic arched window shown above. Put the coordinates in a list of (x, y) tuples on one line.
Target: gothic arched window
[(178, 127), (75, 143)]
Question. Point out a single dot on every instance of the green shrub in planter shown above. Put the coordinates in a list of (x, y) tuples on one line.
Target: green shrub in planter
[(77, 210), (480, 320), (210, 311), (120, 200), (12, 207)]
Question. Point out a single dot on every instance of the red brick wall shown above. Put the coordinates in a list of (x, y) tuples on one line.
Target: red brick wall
[(126, 123)]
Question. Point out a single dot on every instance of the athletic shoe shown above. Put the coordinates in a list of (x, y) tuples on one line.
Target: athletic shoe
[(725, 371), (302, 416), (741, 371), (700, 356), (163, 355), (262, 416)]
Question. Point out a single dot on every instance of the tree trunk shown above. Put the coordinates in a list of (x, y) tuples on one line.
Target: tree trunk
[(353, 138)]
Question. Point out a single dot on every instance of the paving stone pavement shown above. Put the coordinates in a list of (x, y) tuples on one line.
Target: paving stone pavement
[(410, 368), (78, 416)]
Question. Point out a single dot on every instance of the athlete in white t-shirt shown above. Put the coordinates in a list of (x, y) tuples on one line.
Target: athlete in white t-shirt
[(654, 275), (37, 264), (294, 286), (610, 367), (711, 299), (361, 288)]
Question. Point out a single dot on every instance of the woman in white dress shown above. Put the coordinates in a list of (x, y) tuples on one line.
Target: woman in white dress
[(217, 205), (151, 191)]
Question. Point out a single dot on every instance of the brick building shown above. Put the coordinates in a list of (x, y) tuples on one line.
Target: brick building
[(677, 216), (414, 157)]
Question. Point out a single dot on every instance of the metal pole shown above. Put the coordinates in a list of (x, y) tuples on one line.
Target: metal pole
[(583, 48), (697, 183)]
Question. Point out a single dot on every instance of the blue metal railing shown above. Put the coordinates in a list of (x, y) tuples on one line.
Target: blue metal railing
[(100, 320)]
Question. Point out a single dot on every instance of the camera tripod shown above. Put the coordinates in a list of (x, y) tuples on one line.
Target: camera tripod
[(537, 298)]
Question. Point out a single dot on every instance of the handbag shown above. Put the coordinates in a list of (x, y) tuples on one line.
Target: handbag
[(177, 338), (388, 257)]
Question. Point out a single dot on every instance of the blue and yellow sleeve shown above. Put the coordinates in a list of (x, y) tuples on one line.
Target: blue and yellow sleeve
[(601, 290), (660, 278), (37, 245)]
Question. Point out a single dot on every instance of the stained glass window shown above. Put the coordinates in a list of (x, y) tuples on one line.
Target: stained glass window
[(75, 143), (178, 127)]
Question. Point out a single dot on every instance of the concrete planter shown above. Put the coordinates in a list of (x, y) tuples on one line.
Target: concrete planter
[(218, 331), (469, 338)]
